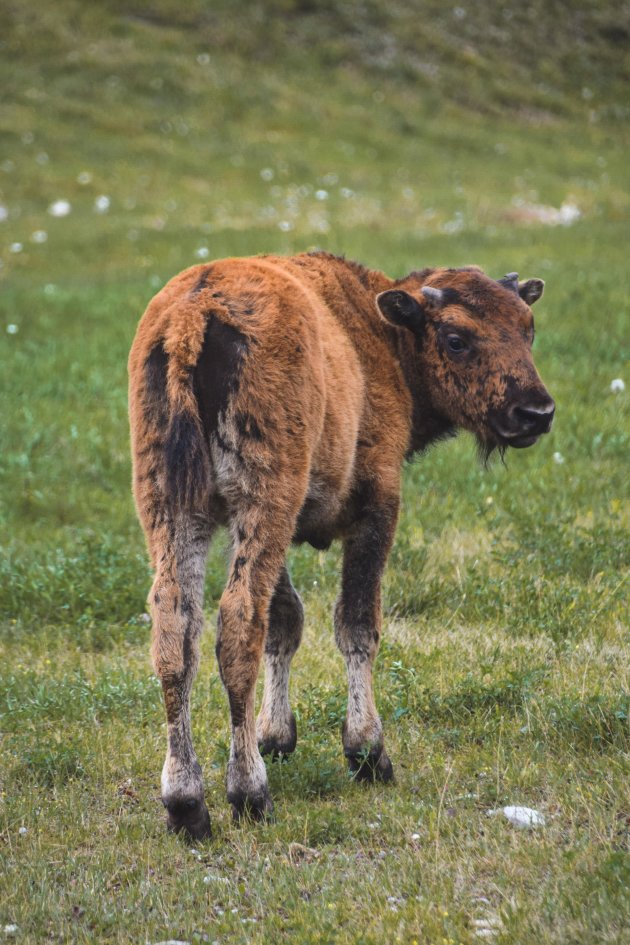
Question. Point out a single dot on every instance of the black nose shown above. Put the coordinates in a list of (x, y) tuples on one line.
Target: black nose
[(534, 418)]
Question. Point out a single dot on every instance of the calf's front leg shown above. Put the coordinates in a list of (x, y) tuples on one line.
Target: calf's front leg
[(357, 632)]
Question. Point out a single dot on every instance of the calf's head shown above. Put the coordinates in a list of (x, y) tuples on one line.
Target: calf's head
[(470, 342)]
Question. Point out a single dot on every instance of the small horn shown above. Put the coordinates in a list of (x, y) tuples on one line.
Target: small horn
[(510, 281), (433, 295)]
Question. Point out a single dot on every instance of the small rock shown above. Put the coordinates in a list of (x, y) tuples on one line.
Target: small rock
[(521, 817), (172, 941)]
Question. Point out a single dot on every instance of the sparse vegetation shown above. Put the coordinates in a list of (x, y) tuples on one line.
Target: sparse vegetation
[(403, 139)]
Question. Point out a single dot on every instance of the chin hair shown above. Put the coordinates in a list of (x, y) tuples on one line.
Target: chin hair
[(486, 449)]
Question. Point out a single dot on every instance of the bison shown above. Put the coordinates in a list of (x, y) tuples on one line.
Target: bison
[(280, 397)]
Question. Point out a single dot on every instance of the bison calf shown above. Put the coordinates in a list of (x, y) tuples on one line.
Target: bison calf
[(280, 397)]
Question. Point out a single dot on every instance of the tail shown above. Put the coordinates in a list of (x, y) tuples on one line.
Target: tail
[(170, 446)]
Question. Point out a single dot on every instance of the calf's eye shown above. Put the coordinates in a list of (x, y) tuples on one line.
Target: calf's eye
[(456, 344)]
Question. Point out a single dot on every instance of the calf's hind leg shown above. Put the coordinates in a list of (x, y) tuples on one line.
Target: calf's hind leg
[(176, 602), (357, 632), (264, 533), (275, 727)]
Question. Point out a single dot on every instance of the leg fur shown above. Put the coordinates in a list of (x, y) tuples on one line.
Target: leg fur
[(275, 727), (357, 632), (264, 536), (176, 601)]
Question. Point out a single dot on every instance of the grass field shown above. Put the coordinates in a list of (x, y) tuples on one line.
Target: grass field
[(136, 143)]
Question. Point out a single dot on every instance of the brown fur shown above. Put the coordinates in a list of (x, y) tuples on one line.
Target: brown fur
[(280, 397)]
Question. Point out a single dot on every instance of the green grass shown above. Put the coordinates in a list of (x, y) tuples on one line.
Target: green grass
[(402, 139)]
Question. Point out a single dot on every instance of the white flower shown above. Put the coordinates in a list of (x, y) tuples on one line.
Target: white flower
[(12, 329), (285, 226), (568, 213), (558, 458), (321, 195), (22, 831), (202, 253), (39, 236), (267, 173), (101, 204), (84, 178), (10, 929), (60, 208), (15, 248), (4, 213), (617, 385)]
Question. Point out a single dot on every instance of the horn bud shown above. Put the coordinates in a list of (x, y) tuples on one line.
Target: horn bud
[(433, 295), (510, 281)]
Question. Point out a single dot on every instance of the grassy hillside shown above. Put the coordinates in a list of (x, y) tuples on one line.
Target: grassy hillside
[(137, 139)]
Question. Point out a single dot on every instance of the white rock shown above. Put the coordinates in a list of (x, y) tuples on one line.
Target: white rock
[(521, 817), (172, 941), (617, 385)]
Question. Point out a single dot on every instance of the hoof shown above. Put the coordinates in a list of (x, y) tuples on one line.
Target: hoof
[(189, 817), (367, 766), (276, 745), (258, 807)]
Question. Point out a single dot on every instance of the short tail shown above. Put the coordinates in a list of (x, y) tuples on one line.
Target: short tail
[(168, 430)]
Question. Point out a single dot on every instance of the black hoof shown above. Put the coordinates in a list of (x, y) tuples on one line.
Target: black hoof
[(188, 817), (245, 807), (368, 766), (279, 746)]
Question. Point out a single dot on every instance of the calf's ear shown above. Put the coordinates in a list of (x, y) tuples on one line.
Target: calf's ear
[(401, 309), (531, 290)]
